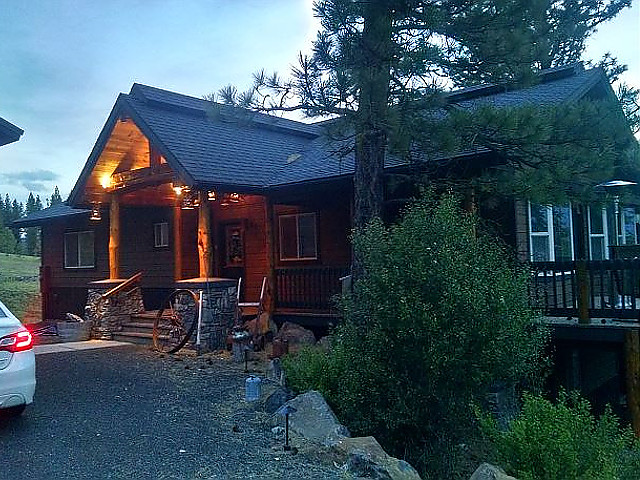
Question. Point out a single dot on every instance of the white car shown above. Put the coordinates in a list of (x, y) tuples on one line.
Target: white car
[(17, 365)]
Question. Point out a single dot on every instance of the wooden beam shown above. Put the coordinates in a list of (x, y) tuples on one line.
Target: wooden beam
[(632, 360), (177, 241), (114, 237), (269, 214), (205, 253)]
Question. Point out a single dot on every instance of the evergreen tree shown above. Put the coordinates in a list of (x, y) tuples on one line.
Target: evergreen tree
[(55, 198), (32, 234), (378, 65)]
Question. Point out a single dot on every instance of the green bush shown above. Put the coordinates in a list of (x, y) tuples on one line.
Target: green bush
[(565, 441), (440, 314)]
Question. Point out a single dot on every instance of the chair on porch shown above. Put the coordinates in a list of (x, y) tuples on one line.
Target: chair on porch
[(251, 309)]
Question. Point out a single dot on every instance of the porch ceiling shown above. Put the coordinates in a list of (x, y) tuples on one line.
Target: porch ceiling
[(127, 151)]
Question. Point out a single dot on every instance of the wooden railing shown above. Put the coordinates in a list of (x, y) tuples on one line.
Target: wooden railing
[(308, 288), (613, 288)]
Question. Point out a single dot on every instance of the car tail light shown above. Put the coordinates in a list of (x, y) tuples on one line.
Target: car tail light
[(17, 342)]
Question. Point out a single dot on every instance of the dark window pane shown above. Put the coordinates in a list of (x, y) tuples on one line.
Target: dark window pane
[(562, 233), (307, 232), (85, 244), (595, 220), (539, 221), (540, 248), (71, 250), (597, 248), (288, 237), (629, 226)]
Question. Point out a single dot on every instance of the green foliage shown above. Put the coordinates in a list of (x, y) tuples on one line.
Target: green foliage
[(565, 441), (439, 316)]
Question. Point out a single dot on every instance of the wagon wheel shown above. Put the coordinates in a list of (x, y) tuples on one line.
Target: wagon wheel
[(175, 321)]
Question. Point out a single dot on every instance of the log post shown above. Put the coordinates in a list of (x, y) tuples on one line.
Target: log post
[(204, 236), (632, 361), (271, 256), (114, 237), (177, 241)]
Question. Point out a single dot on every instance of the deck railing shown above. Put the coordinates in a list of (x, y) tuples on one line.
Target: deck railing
[(613, 288), (308, 288)]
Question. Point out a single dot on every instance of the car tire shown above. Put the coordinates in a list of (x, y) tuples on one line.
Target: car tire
[(12, 412)]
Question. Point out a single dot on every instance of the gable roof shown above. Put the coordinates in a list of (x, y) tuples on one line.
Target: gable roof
[(9, 133), (61, 210), (220, 146)]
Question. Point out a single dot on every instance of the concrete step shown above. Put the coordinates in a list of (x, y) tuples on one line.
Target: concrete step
[(144, 317), (133, 337)]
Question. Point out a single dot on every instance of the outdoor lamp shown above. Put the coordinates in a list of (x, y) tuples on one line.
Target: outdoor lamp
[(95, 216)]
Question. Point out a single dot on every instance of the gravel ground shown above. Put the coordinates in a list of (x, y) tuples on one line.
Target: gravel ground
[(126, 412)]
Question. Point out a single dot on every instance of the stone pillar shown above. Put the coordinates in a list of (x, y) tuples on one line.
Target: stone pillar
[(219, 305)]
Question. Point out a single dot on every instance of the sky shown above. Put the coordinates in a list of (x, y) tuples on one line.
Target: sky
[(63, 63)]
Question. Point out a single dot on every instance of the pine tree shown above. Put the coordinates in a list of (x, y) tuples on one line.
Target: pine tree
[(32, 234), (55, 198), (379, 65)]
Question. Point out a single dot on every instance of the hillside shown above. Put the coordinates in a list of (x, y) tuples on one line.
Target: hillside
[(18, 281)]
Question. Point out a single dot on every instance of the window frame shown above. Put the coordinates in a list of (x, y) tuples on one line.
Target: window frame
[(77, 235), (155, 234), (297, 217), (549, 233), (604, 235)]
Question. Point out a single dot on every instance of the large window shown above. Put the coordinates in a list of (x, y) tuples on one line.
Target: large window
[(298, 239), (550, 233), (79, 250)]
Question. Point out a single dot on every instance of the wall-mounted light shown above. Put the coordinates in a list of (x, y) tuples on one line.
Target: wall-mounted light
[(96, 215), (211, 195), (177, 188), (189, 200)]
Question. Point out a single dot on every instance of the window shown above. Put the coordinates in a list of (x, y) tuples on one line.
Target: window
[(78, 250), (161, 234), (298, 237), (598, 234), (550, 233)]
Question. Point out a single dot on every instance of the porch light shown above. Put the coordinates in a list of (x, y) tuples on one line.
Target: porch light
[(95, 216), (229, 198), (177, 188), (188, 199), (105, 181), (211, 195)]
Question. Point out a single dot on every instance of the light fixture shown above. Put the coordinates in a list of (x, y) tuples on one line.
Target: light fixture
[(105, 181), (188, 199), (211, 195), (96, 215), (229, 198)]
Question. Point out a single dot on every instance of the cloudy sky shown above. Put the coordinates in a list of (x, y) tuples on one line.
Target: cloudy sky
[(63, 63)]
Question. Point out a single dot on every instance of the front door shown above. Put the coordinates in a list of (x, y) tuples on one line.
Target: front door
[(231, 248)]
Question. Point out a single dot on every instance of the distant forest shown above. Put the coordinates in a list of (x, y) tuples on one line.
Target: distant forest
[(25, 241)]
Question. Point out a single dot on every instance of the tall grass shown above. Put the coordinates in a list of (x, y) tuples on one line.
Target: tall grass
[(18, 281)]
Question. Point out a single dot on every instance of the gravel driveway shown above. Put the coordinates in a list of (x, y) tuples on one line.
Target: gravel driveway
[(125, 412)]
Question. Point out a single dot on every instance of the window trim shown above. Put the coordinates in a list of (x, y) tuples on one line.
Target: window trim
[(604, 235), (65, 253), (297, 216), (155, 236)]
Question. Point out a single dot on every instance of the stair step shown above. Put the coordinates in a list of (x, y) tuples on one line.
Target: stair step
[(137, 327), (133, 337)]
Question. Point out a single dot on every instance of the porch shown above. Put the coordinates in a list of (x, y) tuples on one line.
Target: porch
[(605, 289)]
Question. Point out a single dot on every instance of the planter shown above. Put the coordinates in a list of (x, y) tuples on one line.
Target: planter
[(74, 331)]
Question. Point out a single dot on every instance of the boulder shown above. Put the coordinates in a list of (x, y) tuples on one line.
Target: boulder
[(367, 459), (296, 336), (314, 419), (279, 397), (487, 471)]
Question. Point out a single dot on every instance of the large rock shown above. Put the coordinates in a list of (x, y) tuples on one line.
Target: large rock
[(314, 419), (296, 336), (367, 459), (487, 471)]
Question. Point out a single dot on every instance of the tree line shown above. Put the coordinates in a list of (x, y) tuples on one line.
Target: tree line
[(25, 241)]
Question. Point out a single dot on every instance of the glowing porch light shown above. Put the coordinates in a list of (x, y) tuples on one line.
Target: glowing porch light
[(105, 181)]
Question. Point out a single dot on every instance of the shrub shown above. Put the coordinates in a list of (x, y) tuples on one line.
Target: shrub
[(439, 315), (565, 441)]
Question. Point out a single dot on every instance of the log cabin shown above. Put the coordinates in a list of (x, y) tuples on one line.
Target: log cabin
[(179, 188)]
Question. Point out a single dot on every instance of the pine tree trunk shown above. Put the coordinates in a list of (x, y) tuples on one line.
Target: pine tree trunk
[(371, 121)]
